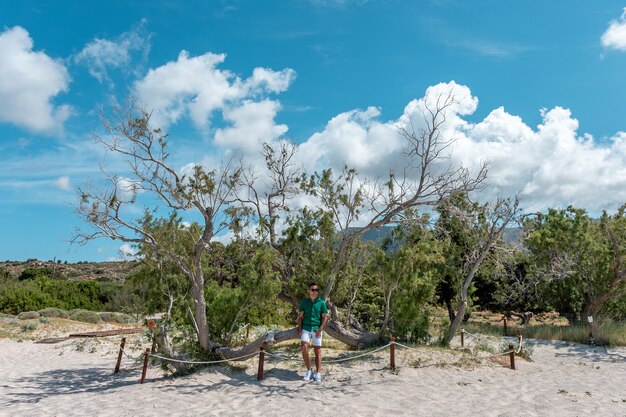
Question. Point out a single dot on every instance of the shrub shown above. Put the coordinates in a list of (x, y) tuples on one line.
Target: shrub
[(116, 317), (28, 315), (53, 312), (32, 273), (85, 316), (44, 320), (29, 326)]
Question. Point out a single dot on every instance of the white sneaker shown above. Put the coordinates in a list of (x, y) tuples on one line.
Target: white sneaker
[(309, 375), (318, 377)]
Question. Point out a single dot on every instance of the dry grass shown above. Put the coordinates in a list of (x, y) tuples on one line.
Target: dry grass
[(609, 333)]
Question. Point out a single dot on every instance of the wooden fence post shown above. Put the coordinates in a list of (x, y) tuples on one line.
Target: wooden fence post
[(119, 356), (512, 355), (462, 337), (145, 366), (259, 375), (392, 353), (505, 326)]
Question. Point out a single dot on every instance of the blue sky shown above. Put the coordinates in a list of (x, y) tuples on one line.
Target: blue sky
[(336, 72)]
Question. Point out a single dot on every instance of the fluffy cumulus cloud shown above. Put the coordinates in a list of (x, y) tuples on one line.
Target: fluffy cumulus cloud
[(615, 36), (194, 86), (29, 81), (357, 139), (250, 124), (549, 165), (101, 55)]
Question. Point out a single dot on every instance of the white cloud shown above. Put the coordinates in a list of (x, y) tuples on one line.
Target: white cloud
[(251, 123), (355, 138), (63, 183), (193, 86), (128, 251), (127, 189), (100, 55), (615, 36), (29, 81), (550, 165)]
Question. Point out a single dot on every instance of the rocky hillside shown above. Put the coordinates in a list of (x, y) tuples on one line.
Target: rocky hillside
[(109, 271)]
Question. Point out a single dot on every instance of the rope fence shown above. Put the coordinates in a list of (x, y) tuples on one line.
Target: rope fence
[(262, 352)]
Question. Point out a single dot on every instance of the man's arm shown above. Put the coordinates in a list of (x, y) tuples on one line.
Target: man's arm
[(318, 332), (300, 316)]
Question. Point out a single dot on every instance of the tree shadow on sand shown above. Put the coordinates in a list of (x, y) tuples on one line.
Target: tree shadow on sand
[(584, 352), (58, 382), (276, 381)]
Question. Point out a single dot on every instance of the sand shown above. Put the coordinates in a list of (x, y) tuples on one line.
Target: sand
[(564, 379)]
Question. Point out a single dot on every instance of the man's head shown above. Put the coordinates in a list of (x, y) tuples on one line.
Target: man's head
[(313, 290)]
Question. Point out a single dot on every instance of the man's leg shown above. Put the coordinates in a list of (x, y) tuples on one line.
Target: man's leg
[(305, 355), (318, 358)]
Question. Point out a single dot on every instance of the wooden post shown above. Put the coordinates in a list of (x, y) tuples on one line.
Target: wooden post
[(392, 353), (154, 342), (512, 355), (462, 337), (119, 356), (519, 339), (505, 326), (145, 366), (259, 375)]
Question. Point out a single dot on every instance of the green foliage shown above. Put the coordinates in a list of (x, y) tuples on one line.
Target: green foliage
[(85, 316), (581, 260), (34, 273), (5, 275), (27, 327), (116, 317), (241, 288), (406, 270), (28, 315), (53, 312), (44, 292)]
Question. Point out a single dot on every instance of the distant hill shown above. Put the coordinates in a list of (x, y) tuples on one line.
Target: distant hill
[(89, 271)]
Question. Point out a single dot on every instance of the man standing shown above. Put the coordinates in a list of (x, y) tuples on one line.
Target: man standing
[(311, 322)]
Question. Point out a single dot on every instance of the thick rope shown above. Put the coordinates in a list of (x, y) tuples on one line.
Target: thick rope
[(131, 357), (203, 362), (336, 360), (357, 356)]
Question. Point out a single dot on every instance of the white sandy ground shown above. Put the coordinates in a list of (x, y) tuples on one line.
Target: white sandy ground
[(565, 379)]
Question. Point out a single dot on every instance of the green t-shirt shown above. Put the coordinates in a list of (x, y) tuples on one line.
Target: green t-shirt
[(313, 311)]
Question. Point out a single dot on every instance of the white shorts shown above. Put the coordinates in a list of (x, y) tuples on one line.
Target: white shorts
[(307, 336)]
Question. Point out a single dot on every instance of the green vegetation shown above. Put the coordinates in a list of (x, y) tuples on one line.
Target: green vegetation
[(85, 316), (28, 315), (608, 333), (43, 292), (53, 312)]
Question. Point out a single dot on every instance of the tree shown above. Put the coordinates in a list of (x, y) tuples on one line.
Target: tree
[(205, 191), (406, 270), (228, 197), (480, 227), (580, 259), (357, 205)]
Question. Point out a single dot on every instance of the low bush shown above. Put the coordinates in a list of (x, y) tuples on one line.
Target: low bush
[(54, 312), (29, 326), (28, 315), (44, 320), (116, 317), (85, 316)]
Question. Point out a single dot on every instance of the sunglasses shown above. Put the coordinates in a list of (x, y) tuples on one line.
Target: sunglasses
[(314, 289)]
